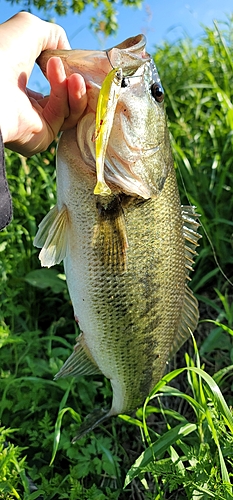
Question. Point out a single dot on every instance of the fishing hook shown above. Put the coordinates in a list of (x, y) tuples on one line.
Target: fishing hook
[(124, 82)]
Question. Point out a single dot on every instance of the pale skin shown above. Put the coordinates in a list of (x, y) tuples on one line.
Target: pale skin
[(30, 121)]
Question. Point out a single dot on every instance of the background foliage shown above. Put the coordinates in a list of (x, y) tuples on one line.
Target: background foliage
[(179, 446), (104, 21)]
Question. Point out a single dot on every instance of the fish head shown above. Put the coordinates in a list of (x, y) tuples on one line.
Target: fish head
[(138, 155)]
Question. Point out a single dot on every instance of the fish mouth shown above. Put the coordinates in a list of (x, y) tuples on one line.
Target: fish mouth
[(122, 151), (134, 43), (94, 65), (129, 55)]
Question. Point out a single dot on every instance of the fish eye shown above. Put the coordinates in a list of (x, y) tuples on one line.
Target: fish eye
[(157, 92), (124, 82)]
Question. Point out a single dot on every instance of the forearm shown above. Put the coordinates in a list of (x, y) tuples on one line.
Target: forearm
[(5, 197)]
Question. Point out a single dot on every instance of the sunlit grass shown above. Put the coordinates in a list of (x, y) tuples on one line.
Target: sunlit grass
[(198, 82), (164, 452), (199, 464)]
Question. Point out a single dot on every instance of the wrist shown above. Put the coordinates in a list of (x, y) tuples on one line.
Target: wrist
[(7, 114), (4, 127), (8, 103)]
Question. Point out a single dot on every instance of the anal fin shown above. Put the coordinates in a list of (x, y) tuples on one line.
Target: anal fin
[(79, 363), (52, 237)]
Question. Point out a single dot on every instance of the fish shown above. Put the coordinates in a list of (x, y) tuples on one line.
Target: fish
[(128, 249)]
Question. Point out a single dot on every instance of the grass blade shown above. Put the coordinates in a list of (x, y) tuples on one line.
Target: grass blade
[(157, 448)]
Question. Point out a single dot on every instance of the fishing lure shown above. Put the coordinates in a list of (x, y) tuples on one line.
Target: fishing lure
[(106, 106)]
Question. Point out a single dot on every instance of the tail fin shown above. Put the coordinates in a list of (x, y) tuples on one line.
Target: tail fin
[(92, 420)]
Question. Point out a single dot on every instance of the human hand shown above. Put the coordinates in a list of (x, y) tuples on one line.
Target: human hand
[(29, 121)]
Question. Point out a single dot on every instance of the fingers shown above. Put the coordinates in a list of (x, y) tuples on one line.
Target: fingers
[(34, 95), (67, 100), (77, 100), (36, 120), (25, 36), (56, 109)]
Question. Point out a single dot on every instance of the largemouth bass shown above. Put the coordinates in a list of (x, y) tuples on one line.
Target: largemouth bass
[(128, 250)]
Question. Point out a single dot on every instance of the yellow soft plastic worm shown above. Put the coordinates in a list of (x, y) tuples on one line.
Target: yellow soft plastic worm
[(106, 106)]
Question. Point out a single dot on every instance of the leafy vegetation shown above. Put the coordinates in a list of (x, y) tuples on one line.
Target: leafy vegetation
[(179, 445), (104, 21), (198, 86), (199, 466)]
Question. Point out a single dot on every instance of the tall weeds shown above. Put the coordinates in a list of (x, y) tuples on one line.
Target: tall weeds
[(164, 453)]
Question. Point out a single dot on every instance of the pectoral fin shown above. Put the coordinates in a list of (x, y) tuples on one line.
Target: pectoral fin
[(52, 237), (110, 236)]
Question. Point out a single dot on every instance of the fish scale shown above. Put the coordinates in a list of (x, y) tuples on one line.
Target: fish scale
[(127, 254)]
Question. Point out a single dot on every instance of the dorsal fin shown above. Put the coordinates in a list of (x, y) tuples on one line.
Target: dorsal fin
[(52, 237), (190, 227), (188, 321), (191, 236), (189, 314)]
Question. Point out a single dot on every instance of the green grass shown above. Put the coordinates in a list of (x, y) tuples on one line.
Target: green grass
[(201, 460), (179, 445), (198, 85)]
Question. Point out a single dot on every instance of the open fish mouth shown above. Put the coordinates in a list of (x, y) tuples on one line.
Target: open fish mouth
[(121, 138), (114, 140)]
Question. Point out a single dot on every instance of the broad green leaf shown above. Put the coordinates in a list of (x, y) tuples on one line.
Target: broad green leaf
[(46, 278)]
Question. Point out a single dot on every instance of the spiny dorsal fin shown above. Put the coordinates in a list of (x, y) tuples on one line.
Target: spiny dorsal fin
[(52, 237), (189, 314), (79, 363), (110, 236), (190, 226)]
